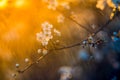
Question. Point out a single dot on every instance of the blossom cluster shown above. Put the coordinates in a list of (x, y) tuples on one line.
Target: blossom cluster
[(46, 34), (90, 41), (53, 4), (65, 73)]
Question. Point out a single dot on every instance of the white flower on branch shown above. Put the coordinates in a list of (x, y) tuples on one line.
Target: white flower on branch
[(45, 51), (46, 26), (39, 51), (26, 60), (53, 4), (60, 18), (66, 73), (46, 33), (17, 65)]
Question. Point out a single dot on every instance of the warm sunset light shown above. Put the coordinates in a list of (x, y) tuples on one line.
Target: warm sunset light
[(20, 3), (59, 39), (3, 3)]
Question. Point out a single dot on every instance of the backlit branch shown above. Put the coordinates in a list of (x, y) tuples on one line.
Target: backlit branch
[(50, 27)]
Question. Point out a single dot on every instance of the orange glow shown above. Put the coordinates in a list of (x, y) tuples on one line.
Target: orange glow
[(20, 3), (20, 20), (3, 3)]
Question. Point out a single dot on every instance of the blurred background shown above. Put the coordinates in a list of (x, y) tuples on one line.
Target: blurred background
[(20, 20)]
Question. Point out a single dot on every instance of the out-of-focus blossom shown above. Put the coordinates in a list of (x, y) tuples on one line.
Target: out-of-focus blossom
[(60, 18), (39, 51), (46, 26), (66, 73), (17, 65), (101, 4), (83, 55), (26, 60), (57, 32), (45, 51), (65, 5), (52, 4)]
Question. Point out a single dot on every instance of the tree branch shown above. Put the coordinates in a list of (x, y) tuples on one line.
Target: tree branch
[(65, 47)]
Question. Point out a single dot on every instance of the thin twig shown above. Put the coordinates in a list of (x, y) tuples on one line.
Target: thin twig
[(80, 25)]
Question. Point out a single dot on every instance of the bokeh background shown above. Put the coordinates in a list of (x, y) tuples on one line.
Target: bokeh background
[(20, 20)]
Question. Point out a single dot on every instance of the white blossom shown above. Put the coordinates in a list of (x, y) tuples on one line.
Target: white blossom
[(53, 4), (46, 33), (39, 51), (60, 18), (39, 36), (17, 65), (26, 60), (44, 51), (46, 26), (66, 73)]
